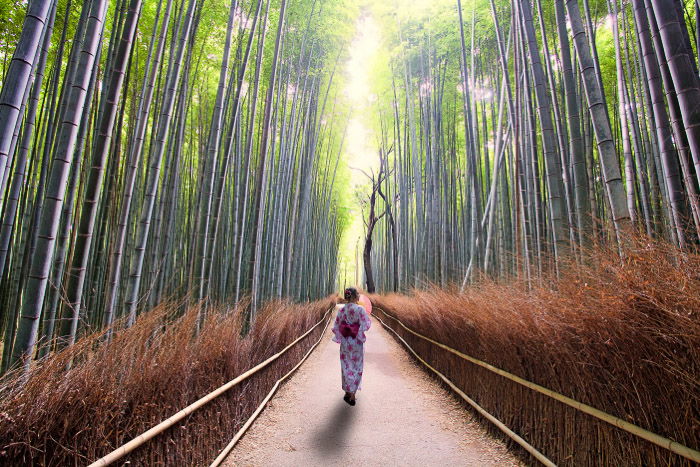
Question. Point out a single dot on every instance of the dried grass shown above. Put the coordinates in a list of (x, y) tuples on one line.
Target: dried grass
[(623, 337), (116, 391)]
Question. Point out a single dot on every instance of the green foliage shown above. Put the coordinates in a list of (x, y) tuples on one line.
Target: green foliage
[(11, 18), (606, 59)]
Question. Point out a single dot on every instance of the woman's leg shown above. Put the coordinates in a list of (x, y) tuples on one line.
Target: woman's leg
[(359, 365)]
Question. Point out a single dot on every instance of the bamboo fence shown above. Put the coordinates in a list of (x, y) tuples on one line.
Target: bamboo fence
[(631, 428), (171, 421), (220, 458)]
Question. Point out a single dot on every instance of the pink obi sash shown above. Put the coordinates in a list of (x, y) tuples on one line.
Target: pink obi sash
[(349, 330)]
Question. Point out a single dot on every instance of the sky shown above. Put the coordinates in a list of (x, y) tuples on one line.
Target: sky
[(360, 150)]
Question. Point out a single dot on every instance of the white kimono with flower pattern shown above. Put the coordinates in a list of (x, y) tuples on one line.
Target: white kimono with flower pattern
[(352, 349)]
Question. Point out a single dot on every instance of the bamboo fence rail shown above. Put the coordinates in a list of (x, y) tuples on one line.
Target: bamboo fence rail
[(171, 421), (510, 433), (659, 440), (220, 458)]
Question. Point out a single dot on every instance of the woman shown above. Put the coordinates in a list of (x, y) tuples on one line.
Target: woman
[(349, 331)]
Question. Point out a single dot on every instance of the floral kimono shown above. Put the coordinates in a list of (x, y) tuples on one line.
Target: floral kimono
[(352, 349)]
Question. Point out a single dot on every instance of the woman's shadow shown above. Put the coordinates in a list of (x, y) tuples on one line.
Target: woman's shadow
[(331, 437)]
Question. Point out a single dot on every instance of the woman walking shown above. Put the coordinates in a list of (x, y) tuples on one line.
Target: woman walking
[(349, 331)]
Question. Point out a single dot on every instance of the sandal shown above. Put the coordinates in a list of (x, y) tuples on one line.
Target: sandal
[(346, 398)]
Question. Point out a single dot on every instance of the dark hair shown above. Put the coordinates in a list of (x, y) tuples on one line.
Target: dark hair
[(351, 294)]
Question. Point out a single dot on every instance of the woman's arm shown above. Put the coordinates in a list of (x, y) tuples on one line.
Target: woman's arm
[(336, 326), (365, 322)]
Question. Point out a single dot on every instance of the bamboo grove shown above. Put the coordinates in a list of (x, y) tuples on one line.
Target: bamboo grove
[(516, 136), (152, 150), (192, 148)]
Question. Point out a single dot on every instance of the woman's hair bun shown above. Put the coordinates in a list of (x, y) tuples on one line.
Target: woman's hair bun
[(351, 293)]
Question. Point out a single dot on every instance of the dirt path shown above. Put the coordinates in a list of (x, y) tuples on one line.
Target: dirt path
[(401, 418)]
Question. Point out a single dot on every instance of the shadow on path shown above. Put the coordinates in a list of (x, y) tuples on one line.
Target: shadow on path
[(331, 437)]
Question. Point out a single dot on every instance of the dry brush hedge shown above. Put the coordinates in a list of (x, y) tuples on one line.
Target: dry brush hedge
[(116, 391), (621, 337)]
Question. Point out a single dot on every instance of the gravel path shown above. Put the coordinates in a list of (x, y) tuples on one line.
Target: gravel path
[(402, 417)]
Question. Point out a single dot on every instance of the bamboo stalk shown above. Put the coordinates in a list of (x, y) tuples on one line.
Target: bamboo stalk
[(220, 458), (171, 421), (659, 440), (511, 434)]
